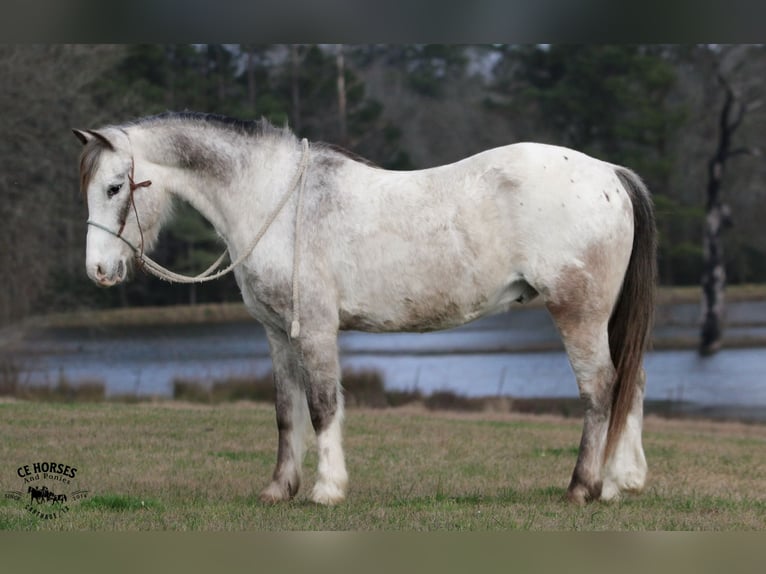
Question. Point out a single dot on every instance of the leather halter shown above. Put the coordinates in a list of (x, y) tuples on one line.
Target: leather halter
[(133, 186)]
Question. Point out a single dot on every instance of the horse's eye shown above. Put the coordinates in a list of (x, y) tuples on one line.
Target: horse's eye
[(113, 190)]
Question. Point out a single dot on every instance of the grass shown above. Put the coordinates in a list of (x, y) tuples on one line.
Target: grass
[(112, 502), (182, 466)]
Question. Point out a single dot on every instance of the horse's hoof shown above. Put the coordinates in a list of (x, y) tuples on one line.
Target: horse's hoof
[(327, 494), (581, 494), (577, 495), (273, 494)]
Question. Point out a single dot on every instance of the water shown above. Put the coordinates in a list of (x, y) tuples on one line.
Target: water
[(473, 360)]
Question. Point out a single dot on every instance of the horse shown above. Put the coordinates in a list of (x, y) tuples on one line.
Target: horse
[(321, 240), (37, 494)]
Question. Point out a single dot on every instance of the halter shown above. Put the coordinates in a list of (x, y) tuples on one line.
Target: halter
[(148, 264), (133, 186)]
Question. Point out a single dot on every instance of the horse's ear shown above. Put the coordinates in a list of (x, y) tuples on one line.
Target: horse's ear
[(87, 135), (102, 138), (84, 137)]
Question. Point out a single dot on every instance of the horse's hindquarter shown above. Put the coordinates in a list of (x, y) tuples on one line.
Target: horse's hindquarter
[(576, 221), (436, 248)]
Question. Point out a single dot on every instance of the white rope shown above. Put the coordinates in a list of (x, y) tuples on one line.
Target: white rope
[(298, 182), (295, 327)]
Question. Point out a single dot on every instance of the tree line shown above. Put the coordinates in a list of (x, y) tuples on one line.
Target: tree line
[(653, 108)]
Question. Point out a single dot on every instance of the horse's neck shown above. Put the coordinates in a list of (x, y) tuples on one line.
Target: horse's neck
[(233, 187)]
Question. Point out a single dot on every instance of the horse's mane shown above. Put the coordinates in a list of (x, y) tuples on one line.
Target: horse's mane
[(255, 128)]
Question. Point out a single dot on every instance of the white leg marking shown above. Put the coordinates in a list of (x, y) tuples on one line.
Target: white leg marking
[(330, 487), (626, 469)]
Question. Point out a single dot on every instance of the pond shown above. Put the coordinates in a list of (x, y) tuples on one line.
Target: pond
[(517, 354)]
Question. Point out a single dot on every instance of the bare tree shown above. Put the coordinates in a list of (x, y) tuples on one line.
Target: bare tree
[(718, 217)]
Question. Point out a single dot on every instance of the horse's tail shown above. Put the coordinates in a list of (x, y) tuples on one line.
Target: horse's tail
[(632, 318)]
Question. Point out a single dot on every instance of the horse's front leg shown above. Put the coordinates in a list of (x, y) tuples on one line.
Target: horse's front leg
[(319, 354), (292, 418)]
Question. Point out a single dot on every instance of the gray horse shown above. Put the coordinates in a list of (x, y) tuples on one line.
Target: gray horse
[(322, 241)]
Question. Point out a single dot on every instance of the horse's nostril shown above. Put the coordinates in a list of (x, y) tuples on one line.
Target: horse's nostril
[(121, 269), (100, 271)]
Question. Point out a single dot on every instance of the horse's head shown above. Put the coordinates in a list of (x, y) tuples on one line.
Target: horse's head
[(124, 214)]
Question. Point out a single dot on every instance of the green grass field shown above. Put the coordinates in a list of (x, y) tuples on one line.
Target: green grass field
[(179, 466)]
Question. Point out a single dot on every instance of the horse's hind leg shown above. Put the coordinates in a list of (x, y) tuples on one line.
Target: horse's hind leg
[(325, 401), (626, 469), (584, 332), (292, 417)]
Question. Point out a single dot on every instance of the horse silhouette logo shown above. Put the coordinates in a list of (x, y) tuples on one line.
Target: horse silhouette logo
[(45, 483), (42, 494)]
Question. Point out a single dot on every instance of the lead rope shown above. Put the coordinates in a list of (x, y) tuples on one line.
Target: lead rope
[(295, 327), (298, 182)]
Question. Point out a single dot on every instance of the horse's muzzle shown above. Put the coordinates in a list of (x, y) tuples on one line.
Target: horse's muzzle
[(106, 276)]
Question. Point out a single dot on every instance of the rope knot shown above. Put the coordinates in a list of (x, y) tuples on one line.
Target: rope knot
[(133, 185)]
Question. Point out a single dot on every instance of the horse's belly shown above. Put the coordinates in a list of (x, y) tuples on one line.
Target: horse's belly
[(433, 312)]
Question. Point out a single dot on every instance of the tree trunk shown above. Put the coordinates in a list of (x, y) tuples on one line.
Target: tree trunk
[(716, 219), (251, 78), (714, 270), (296, 95), (170, 89), (341, 67), (221, 65)]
